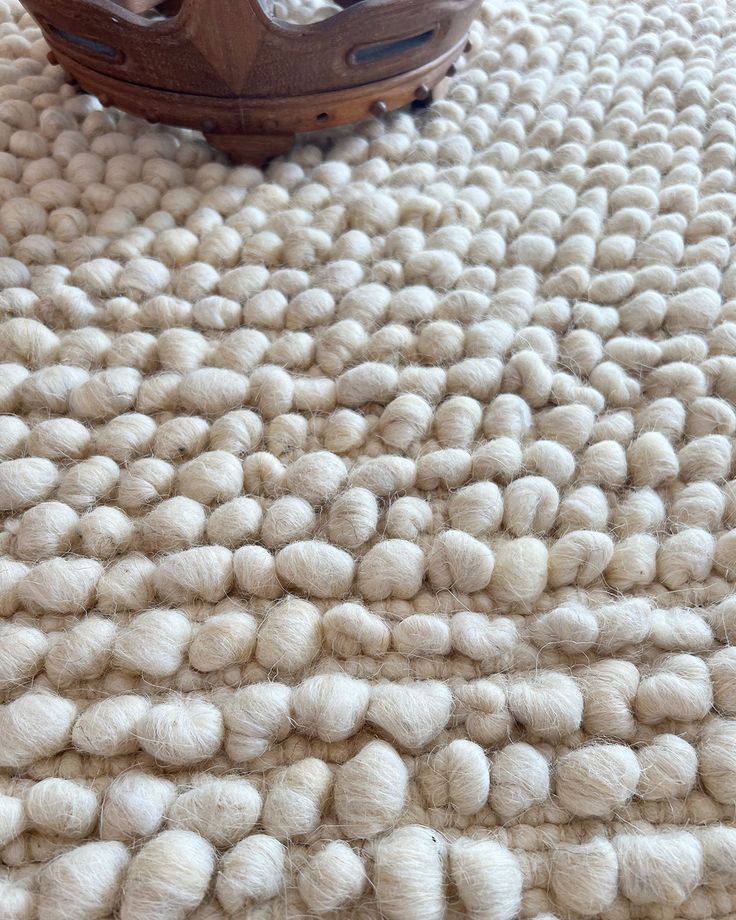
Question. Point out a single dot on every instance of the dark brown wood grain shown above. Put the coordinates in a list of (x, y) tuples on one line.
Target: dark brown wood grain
[(139, 6), (227, 68)]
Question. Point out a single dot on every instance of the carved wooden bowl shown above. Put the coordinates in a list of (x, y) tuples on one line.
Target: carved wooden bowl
[(248, 81)]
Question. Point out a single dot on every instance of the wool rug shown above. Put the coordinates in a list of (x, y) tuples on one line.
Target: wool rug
[(367, 544)]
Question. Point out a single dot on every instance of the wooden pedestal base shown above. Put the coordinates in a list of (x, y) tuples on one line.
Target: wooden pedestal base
[(256, 149), (255, 129)]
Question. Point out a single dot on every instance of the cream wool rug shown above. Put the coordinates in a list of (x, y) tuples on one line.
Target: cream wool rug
[(367, 523)]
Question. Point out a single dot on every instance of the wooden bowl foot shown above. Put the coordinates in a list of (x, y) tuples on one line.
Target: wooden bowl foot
[(255, 149)]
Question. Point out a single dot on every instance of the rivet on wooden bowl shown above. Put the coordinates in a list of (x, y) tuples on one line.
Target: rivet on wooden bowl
[(422, 92), (379, 108)]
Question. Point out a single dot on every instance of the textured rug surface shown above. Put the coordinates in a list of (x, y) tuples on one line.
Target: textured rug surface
[(367, 522)]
